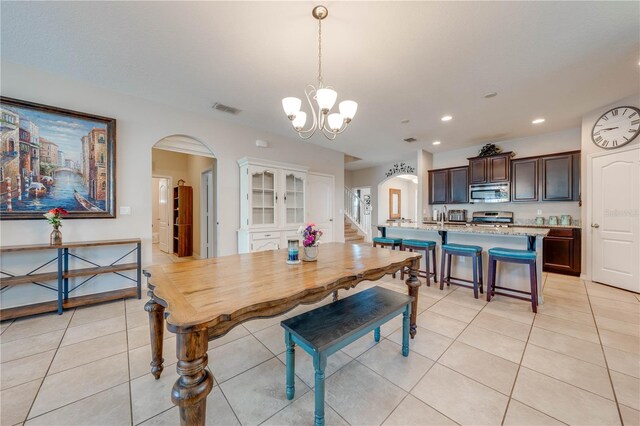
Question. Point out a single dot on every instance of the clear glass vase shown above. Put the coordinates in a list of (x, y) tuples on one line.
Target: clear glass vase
[(56, 237)]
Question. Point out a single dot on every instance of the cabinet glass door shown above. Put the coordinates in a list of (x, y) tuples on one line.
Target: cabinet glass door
[(294, 199), (263, 195)]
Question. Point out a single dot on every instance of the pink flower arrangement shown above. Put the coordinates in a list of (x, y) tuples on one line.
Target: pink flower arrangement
[(310, 234)]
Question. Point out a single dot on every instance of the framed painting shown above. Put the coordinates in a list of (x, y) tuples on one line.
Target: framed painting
[(52, 157)]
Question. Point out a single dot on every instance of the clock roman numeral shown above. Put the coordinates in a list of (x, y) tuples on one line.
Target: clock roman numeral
[(633, 115), (625, 111), (605, 143), (614, 112), (625, 138), (633, 130), (605, 118), (598, 139), (634, 122)]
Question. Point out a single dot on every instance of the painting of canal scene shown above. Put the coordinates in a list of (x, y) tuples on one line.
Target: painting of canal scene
[(51, 158)]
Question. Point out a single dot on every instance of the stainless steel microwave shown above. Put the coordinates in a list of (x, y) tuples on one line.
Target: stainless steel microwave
[(489, 193)]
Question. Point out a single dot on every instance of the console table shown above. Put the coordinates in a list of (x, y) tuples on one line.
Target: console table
[(63, 273)]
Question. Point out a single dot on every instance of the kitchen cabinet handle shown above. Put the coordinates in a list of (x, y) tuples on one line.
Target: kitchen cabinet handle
[(595, 225)]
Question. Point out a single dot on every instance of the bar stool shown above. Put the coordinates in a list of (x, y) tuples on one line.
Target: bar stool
[(527, 257), (426, 246), (474, 252), (388, 242)]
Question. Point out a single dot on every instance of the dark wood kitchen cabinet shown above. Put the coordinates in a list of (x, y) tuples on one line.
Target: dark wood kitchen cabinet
[(449, 186), (495, 168), (557, 178), (524, 180), (438, 186), (546, 178), (459, 185), (561, 251)]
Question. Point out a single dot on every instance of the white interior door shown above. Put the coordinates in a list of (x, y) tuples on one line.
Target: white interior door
[(615, 222), (154, 211), (320, 196), (206, 215), (163, 214)]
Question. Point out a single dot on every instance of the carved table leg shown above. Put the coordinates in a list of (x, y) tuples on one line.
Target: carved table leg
[(156, 327), (414, 284), (195, 382)]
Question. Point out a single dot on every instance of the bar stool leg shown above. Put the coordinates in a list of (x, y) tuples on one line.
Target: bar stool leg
[(393, 247), (435, 269), (492, 277), (449, 269), (442, 264), (427, 267), (290, 366), (480, 282), (475, 277), (533, 274)]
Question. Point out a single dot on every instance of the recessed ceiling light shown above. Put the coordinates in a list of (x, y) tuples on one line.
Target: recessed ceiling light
[(405, 121), (491, 95), (538, 121), (436, 142), (446, 118)]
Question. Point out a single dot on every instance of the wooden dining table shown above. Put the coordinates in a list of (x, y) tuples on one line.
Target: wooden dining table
[(202, 300)]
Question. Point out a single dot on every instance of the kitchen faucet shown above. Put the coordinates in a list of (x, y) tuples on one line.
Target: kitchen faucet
[(444, 214)]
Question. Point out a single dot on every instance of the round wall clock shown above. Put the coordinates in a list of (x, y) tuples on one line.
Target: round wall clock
[(616, 127)]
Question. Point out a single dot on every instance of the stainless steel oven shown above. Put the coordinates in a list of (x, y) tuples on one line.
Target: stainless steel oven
[(489, 193)]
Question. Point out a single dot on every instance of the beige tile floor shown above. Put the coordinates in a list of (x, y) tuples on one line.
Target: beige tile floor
[(576, 362)]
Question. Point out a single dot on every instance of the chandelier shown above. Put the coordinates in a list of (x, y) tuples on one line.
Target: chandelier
[(332, 124)]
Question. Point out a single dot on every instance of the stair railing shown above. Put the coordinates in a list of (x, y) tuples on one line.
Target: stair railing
[(358, 212)]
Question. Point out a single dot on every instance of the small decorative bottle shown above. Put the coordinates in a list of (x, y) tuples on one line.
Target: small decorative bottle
[(292, 252)]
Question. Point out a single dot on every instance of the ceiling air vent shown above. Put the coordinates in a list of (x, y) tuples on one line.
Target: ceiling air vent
[(410, 140), (226, 108)]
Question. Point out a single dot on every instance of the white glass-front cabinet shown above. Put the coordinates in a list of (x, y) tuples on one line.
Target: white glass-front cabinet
[(272, 204)]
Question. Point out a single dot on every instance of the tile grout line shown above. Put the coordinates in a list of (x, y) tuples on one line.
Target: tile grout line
[(435, 361), (48, 368), (126, 335), (513, 386), (604, 355)]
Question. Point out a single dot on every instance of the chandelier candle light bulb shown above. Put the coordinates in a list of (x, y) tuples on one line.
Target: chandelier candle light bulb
[(330, 124)]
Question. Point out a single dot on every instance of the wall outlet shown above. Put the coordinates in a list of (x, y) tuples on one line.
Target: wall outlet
[(125, 211), (539, 212)]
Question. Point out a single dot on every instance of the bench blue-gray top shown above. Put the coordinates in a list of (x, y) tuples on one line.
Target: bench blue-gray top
[(329, 326)]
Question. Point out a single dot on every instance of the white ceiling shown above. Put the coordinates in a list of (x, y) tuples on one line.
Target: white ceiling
[(398, 60)]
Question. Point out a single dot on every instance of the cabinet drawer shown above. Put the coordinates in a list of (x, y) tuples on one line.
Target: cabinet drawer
[(561, 232), (263, 245), (265, 235)]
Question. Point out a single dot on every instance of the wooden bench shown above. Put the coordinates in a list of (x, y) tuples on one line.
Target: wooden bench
[(325, 330)]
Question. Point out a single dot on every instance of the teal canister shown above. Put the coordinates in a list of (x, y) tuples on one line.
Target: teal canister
[(565, 220), (539, 220), (553, 220)]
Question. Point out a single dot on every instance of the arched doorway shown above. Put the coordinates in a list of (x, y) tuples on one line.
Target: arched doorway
[(190, 231), (398, 198)]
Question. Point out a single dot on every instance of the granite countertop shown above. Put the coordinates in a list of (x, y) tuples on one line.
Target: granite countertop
[(517, 225), (513, 230)]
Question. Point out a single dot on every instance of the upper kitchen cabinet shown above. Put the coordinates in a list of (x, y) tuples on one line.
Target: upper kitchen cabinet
[(524, 180), (546, 178), (449, 186), (560, 177), (459, 185), (491, 169), (438, 186)]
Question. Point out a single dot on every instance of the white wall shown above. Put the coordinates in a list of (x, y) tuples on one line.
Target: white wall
[(371, 177), (588, 148), (140, 124), (408, 192)]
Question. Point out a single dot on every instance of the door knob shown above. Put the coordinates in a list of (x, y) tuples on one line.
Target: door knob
[(595, 225)]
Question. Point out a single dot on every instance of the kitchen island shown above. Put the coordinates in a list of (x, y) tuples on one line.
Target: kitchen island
[(515, 237)]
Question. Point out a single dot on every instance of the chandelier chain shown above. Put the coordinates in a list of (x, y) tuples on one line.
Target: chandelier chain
[(320, 52)]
